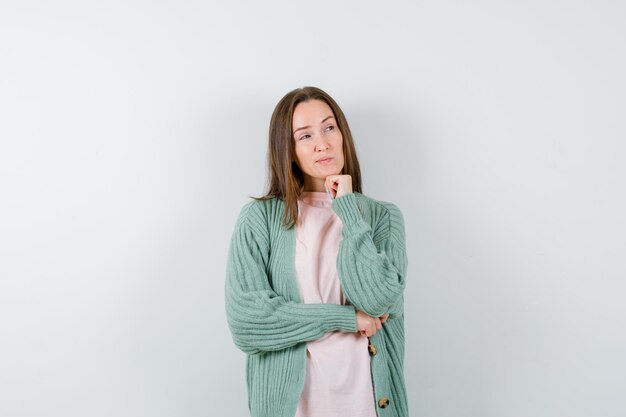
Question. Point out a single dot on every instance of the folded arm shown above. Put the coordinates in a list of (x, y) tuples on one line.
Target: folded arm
[(260, 320)]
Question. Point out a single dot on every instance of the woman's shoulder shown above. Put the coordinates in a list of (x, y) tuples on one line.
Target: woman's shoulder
[(260, 203), (379, 205), (259, 212), (386, 217)]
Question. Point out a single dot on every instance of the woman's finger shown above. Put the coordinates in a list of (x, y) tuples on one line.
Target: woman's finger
[(330, 185)]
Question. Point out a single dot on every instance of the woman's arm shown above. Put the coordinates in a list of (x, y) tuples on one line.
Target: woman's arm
[(260, 320), (373, 279)]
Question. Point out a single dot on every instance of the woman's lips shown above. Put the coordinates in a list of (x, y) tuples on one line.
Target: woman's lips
[(324, 161)]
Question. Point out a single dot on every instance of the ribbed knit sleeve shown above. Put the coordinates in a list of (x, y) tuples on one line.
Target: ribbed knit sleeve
[(259, 319), (373, 278)]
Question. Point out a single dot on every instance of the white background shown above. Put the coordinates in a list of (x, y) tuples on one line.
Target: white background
[(132, 133)]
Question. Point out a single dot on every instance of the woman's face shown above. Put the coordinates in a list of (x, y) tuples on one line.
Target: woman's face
[(317, 136)]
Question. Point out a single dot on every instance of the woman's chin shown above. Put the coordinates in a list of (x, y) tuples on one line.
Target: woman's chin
[(329, 171)]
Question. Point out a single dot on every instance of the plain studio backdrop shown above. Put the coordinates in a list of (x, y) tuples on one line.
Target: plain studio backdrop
[(132, 132)]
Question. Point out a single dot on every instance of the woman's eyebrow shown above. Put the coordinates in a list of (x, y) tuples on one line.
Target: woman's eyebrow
[(308, 127)]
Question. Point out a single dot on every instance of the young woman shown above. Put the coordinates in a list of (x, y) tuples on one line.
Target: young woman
[(315, 276)]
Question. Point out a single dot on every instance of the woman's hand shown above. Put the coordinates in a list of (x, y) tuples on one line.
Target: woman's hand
[(367, 325), (339, 185)]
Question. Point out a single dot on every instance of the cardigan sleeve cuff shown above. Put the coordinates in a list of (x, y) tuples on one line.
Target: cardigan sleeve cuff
[(347, 209), (344, 318)]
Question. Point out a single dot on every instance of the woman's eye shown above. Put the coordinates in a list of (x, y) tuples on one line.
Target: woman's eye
[(304, 137), (331, 127)]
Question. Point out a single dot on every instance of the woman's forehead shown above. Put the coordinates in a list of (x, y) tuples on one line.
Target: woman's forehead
[(313, 111)]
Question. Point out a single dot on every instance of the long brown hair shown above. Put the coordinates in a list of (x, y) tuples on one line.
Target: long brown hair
[(286, 180)]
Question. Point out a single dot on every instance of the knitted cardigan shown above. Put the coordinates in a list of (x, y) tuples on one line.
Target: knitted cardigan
[(271, 325)]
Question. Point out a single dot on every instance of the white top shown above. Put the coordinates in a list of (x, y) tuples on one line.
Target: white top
[(338, 379)]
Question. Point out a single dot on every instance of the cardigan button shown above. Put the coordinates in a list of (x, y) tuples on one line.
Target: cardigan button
[(372, 349), (383, 402)]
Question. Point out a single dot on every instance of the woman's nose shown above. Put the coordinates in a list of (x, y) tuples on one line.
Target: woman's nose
[(322, 146)]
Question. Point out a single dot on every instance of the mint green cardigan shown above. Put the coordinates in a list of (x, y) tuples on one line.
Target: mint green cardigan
[(271, 325)]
